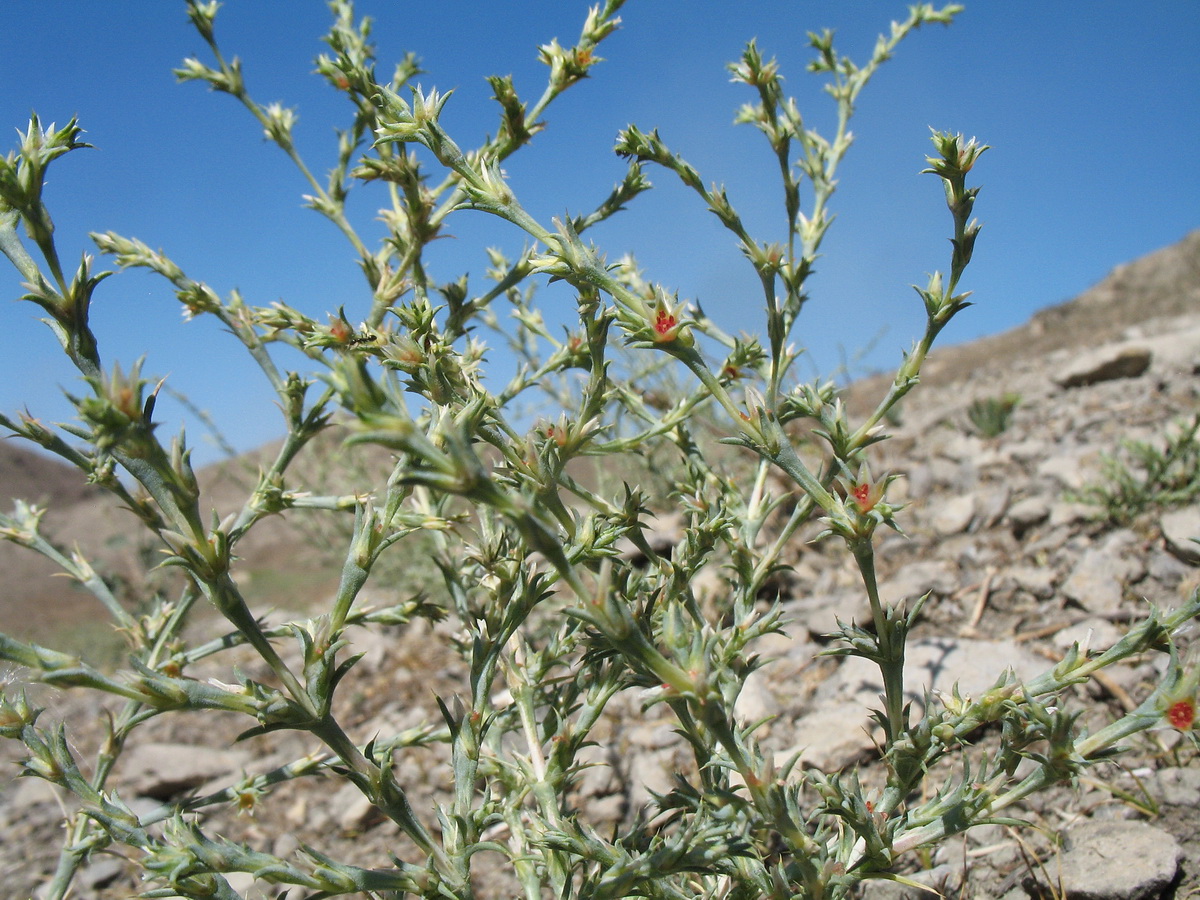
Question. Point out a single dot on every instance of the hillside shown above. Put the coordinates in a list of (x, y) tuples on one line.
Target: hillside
[(1016, 566), (1158, 287)]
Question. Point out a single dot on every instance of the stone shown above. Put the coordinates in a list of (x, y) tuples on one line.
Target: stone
[(1036, 580), (1095, 634), (756, 701), (1070, 467), (954, 515), (944, 880), (820, 615), (914, 579), (1114, 860), (991, 508), (662, 533), (839, 732), (648, 773), (352, 811), (1176, 787), (101, 872), (1027, 512), (162, 770), (936, 664), (1180, 530), (833, 736), (242, 882), (1105, 364), (1177, 351), (1097, 582)]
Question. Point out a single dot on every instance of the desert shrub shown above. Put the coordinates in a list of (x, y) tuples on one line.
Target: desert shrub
[(552, 619), (1148, 475), (989, 416)]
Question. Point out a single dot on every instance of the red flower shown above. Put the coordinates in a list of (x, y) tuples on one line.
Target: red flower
[(1182, 714), (666, 326), (662, 315), (867, 495), (339, 330)]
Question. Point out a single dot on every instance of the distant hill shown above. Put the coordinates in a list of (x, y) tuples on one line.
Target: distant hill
[(33, 476), (1161, 285), (33, 600)]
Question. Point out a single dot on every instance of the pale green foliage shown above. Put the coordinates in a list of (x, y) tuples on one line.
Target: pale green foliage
[(990, 416), (1148, 476), (543, 602)]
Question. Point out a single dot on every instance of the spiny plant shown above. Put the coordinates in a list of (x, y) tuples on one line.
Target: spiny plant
[(545, 604), (990, 415), (1148, 476)]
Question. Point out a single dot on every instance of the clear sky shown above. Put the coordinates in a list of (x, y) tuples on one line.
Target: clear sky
[(1092, 111)]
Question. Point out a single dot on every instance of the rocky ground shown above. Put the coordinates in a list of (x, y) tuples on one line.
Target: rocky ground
[(1018, 568)]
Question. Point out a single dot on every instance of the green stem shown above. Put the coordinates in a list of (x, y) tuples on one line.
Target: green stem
[(891, 649)]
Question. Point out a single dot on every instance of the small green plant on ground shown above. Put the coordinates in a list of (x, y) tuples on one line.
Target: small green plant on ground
[(990, 415), (1148, 476), (545, 604)]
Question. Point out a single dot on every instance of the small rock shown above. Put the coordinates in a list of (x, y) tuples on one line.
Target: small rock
[(1165, 567), (163, 770), (285, 845), (26, 793), (648, 773), (939, 576), (943, 880), (1180, 530), (963, 447), (919, 480), (1036, 580), (1095, 634), (937, 664), (839, 731), (1176, 351), (1176, 787), (1105, 364), (655, 736), (354, 812), (756, 701), (608, 810), (820, 614), (1070, 467), (1030, 450), (1027, 512), (833, 736), (100, 872), (242, 882), (1115, 860), (1066, 512), (1097, 583), (662, 533), (991, 509), (954, 515)]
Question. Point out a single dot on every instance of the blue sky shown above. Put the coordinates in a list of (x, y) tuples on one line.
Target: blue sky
[(1091, 110)]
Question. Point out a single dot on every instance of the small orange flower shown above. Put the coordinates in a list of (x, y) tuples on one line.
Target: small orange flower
[(1182, 714), (1178, 704), (339, 330), (867, 494), (666, 326)]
